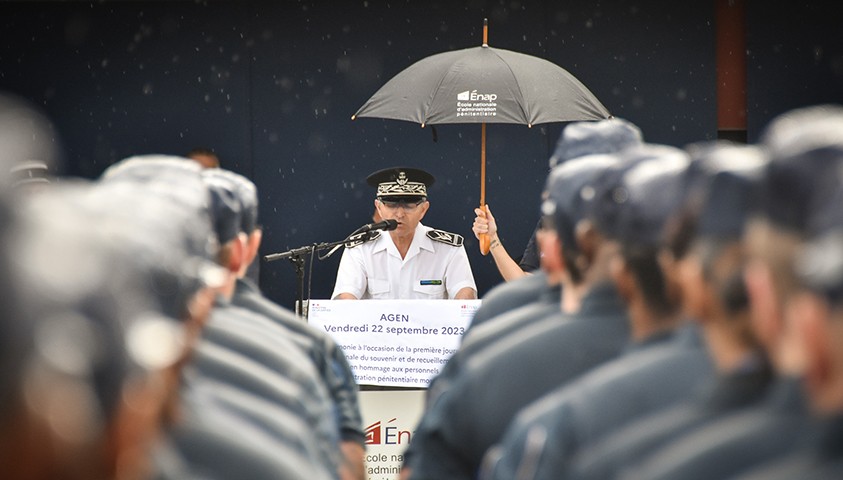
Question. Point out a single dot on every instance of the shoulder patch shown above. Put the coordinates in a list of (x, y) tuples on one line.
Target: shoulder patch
[(362, 238), (442, 236)]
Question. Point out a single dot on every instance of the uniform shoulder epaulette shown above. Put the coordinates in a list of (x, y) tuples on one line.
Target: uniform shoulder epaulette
[(362, 238), (452, 239)]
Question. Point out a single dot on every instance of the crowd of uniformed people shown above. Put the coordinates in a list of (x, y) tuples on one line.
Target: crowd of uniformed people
[(686, 322)]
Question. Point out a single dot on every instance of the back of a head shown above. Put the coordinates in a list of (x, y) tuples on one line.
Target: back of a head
[(805, 147), (95, 323), (592, 138), (634, 200), (569, 190), (225, 208), (246, 193), (166, 209), (723, 192)]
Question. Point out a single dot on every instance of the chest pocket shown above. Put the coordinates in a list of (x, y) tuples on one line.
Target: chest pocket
[(430, 291), (377, 288)]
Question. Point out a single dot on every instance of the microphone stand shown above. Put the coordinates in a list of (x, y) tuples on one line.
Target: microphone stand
[(297, 256)]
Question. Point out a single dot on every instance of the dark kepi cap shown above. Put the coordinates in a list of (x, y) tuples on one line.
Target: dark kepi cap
[(570, 189), (246, 193), (590, 138), (635, 199), (401, 183), (724, 190), (805, 147), (225, 207)]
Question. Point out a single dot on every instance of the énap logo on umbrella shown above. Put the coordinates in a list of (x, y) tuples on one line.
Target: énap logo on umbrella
[(473, 96)]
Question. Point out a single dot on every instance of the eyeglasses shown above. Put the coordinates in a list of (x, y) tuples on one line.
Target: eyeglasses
[(407, 206)]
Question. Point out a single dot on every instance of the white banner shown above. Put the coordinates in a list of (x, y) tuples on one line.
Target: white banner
[(390, 418), (400, 343)]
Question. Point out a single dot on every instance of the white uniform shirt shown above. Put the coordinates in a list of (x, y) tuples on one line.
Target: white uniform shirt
[(430, 270)]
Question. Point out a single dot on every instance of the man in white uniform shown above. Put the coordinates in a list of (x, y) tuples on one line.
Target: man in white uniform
[(413, 261)]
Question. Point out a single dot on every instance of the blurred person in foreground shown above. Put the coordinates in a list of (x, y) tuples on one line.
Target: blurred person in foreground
[(412, 261), (244, 403), (801, 181), (591, 328), (662, 362), (517, 305), (709, 258), (323, 351), (98, 382)]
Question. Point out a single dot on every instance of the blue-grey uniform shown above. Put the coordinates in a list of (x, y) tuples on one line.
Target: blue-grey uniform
[(511, 295), (250, 352), (801, 195), (469, 417), (818, 457), (323, 351), (653, 374), (741, 389), (212, 442), (490, 332), (482, 337), (733, 443)]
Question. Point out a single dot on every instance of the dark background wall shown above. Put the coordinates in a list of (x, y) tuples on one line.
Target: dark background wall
[(271, 87)]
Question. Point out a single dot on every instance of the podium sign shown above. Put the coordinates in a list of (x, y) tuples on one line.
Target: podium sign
[(398, 343)]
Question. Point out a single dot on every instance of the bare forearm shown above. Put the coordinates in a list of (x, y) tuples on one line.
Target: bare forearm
[(507, 267)]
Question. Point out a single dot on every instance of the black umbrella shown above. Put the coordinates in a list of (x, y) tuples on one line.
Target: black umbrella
[(483, 85)]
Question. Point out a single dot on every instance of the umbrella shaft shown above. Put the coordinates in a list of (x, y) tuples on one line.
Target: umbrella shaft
[(482, 164)]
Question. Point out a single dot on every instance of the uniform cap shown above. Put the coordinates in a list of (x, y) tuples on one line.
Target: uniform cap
[(401, 183), (725, 189), (805, 147), (570, 189), (246, 193), (635, 199), (589, 138)]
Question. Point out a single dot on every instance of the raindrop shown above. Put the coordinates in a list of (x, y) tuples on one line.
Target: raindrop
[(589, 23), (104, 63), (147, 88)]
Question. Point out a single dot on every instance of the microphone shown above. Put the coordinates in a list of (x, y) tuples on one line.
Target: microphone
[(384, 225)]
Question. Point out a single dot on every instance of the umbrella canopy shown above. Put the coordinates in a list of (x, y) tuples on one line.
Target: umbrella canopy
[(484, 85)]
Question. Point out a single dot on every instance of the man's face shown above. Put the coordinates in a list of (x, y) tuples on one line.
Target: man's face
[(408, 214)]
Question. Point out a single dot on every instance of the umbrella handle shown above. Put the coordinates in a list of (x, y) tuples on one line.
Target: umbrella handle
[(484, 237)]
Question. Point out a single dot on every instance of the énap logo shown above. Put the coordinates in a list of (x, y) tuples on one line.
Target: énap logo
[(473, 96), (378, 434)]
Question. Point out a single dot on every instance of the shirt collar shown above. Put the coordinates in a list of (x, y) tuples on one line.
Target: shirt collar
[(420, 242)]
